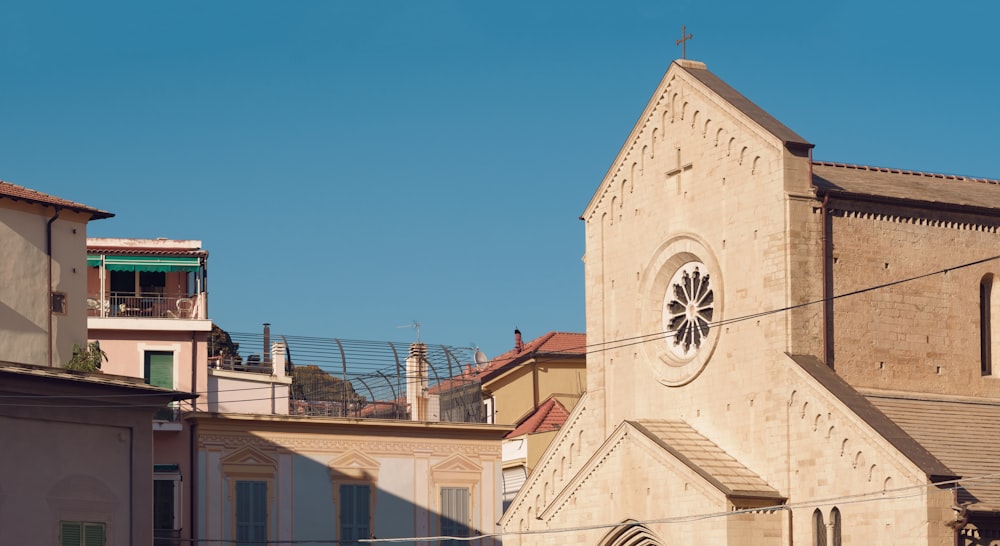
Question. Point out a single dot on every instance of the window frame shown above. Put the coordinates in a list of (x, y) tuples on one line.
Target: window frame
[(178, 495)]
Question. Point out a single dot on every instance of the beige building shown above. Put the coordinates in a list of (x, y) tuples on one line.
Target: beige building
[(44, 243), (792, 351), (76, 455), (533, 386)]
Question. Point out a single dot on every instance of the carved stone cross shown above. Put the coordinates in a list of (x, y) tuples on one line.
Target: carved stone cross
[(681, 167)]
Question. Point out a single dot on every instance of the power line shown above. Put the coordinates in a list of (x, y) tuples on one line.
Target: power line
[(566, 353)]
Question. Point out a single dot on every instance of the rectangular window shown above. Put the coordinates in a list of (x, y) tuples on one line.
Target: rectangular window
[(152, 282), (59, 303), (81, 533), (454, 512), (122, 282), (158, 368), (355, 513), (251, 512)]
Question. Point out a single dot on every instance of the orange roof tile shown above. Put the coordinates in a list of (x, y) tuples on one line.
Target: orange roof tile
[(552, 344), (549, 416), (20, 193)]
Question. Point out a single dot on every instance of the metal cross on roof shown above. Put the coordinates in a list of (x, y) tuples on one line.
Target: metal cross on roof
[(683, 41)]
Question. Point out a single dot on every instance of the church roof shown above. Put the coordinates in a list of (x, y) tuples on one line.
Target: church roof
[(759, 116), (881, 184), (707, 459), (953, 430)]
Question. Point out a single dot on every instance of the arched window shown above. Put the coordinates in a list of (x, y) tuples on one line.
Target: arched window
[(819, 529), (835, 523), (985, 325)]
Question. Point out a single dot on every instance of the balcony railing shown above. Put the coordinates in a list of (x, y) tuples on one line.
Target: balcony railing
[(252, 364), (170, 414), (166, 537), (145, 304)]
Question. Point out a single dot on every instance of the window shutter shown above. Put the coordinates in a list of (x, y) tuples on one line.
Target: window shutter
[(159, 369), (251, 511), (93, 534), (355, 512), (454, 511), (79, 533), (70, 533)]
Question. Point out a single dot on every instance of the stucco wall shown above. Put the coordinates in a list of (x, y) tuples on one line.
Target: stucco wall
[(24, 295)]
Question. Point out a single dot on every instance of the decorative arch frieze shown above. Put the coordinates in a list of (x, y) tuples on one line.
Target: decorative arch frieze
[(680, 99)]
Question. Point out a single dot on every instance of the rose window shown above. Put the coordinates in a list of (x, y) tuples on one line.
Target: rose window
[(687, 309)]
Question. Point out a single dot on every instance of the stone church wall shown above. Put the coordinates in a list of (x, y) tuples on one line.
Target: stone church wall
[(922, 335)]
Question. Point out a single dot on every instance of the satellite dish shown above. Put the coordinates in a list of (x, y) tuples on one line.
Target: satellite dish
[(481, 359)]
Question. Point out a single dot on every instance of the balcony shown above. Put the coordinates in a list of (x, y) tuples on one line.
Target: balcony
[(146, 304)]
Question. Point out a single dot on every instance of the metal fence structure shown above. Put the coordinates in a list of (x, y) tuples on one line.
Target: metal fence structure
[(364, 379)]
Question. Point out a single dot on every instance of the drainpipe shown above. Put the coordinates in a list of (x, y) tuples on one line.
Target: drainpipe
[(827, 283), (48, 252), (194, 370), (192, 491), (827, 277)]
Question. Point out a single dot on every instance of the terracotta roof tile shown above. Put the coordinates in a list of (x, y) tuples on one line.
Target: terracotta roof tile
[(548, 416), (138, 251), (552, 344), (20, 193)]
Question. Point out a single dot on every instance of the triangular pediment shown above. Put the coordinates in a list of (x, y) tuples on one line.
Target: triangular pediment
[(248, 456), (639, 450), (457, 463), (353, 465)]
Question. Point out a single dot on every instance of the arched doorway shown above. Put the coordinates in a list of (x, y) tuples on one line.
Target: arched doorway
[(630, 533)]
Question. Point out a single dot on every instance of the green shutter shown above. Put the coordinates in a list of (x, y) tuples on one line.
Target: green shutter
[(159, 369), (70, 533), (93, 534), (79, 533)]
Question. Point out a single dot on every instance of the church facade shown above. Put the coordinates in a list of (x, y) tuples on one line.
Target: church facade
[(795, 351)]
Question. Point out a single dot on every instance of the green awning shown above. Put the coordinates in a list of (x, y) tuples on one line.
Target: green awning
[(146, 263)]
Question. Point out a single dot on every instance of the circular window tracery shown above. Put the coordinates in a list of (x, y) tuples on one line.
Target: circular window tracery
[(683, 301), (688, 307)]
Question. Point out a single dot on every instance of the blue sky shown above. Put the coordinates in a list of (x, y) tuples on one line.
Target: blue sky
[(355, 167)]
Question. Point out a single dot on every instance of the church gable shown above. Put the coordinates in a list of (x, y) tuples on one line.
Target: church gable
[(634, 445), (691, 104)]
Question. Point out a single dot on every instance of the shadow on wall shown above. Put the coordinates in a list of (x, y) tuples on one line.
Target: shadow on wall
[(253, 492)]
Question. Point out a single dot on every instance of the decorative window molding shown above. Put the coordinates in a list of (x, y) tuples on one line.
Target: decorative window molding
[(454, 479), (354, 477), (250, 466)]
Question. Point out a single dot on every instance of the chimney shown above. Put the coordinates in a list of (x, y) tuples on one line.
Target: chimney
[(267, 344), (416, 382), (518, 344)]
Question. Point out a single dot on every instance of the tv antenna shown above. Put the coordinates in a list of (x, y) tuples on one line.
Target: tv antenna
[(415, 325)]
